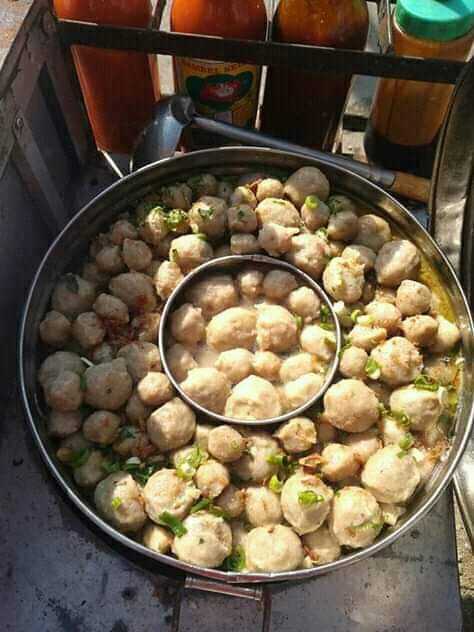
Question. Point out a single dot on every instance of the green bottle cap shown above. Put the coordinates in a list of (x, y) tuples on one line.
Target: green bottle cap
[(438, 20)]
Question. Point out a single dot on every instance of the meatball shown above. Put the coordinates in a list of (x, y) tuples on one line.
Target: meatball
[(392, 431), (88, 330), (102, 427), (262, 507), (276, 239), (111, 308), (278, 284), (315, 213), (273, 549), (299, 391), (373, 232), (157, 538), (119, 500), (179, 196), (225, 444), (58, 363), (136, 290), (343, 225), (305, 502), (55, 329), (361, 254), (363, 444), (390, 475), (421, 407), (384, 315), (136, 254), (136, 410), (421, 330), (207, 387), (396, 261), (122, 229), (207, 541), (306, 181), (351, 406), (367, 337), (297, 365), (267, 364), (108, 385), (309, 253), (234, 327), (140, 358), (166, 492), (413, 298), (399, 361), (338, 462), (254, 465), (242, 219), (154, 389), (208, 216), (243, 195), (167, 278), (231, 501), (62, 424), (145, 326), (269, 188), (253, 398), (250, 283), (356, 519), (153, 225), (440, 369), (236, 364), (352, 363), (187, 324), (213, 294), (203, 184), (277, 329), (343, 279), (201, 437), (189, 251), (172, 425), (297, 435), (72, 295), (64, 393), (92, 471), (109, 260), (278, 211), (212, 478), (322, 343), (244, 244), (304, 302), (180, 362), (321, 546), (447, 336)]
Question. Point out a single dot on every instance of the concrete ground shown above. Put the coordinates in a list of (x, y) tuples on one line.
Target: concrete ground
[(466, 573)]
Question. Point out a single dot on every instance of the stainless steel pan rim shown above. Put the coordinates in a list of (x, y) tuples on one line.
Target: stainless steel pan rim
[(221, 264), (253, 157)]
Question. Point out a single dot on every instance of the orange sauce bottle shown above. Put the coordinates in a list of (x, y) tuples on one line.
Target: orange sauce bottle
[(119, 87), (301, 106)]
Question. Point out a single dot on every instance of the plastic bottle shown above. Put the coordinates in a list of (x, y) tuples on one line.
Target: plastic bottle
[(407, 115)]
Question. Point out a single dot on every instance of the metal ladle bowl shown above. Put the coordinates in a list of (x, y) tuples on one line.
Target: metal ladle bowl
[(229, 265)]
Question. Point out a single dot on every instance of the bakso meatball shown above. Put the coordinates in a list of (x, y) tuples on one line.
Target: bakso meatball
[(122, 229), (234, 327), (366, 337), (413, 298), (235, 364), (166, 492), (343, 279), (384, 315), (179, 196), (244, 244), (392, 431), (421, 407), (318, 341), (277, 329), (363, 255), (189, 251), (304, 302), (88, 329), (297, 435), (356, 518), (55, 329), (111, 308), (72, 295), (72, 447), (363, 444), (299, 391), (276, 239), (167, 278), (310, 253), (208, 216), (64, 392), (207, 387), (180, 362), (421, 330), (321, 546), (109, 260), (269, 188), (140, 358), (119, 500), (351, 406), (262, 507), (277, 284), (108, 385), (447, 336), (399, 361), (267, 364), (306, 181), (253, 398), (187, 324), (390, 475), (207, 541), (314, 212), (212, 478), (136, 290), (250, 283), (243, 195), (145, 326), (154, 389), (242, 219), (201, 436), (58, 363), (136, 254), (338, 462), (153, 225), (373, 232), (352, 363), (157, 538), (278, 211), (102, 427), (254, 466), (343, 225), (396, 261), (231, 501), (62, 424), (92, 273), (225, 444), (441, 369), (297, 365), (273, 549), (172, 425), (213, 294), (203, 184), (305, 501), (91, 471)]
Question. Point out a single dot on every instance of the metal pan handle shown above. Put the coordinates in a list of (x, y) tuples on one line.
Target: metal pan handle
[(198, 583)]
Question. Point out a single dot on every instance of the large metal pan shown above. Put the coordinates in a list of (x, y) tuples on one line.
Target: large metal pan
[(72, 243)]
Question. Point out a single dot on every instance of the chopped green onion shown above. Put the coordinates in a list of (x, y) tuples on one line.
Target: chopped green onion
[(368, 524), (187, 466), (202, 504), (299, 322), (116, 502), (206, 504), (322, 233), (111, 466), (383, 410), (325, 314), (175, 218), (355, 315), (425, 383), (407, 442), (236, 561), (344, 348), (275, 484), (142, 474), (278, 459), (176, 526), (308, 498), (312, 202), (335, 205), (402, 419), (79, 458), (372, 369), (129, 432), (206, 213)]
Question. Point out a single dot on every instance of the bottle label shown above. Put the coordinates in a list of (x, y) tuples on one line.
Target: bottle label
[(221, 90)]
